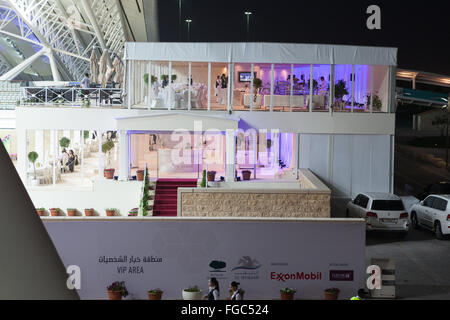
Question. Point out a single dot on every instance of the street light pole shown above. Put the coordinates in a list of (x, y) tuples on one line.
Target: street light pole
[(188, 21), (248, 13), (179, 20)]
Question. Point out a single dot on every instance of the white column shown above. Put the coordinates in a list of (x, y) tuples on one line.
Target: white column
[(128, 84), (82, 156), (54, 146), (149, 88), (123, 156), (230, 75), (272, 79), (230, 155), (291, 95), (255, 151), (39, 144), (311, 87), (209, 86), (296, 154), (252, 77), (22, 157), (353, 86), (169, 95), (371, 89), (331, 93), (100, 154), (189, 85), (275, 137)]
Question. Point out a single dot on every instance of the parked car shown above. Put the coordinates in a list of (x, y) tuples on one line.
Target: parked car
[(434, 214), (436, 188), (382, 211)]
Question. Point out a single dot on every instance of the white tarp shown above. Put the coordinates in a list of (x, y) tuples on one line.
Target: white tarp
[(261, 53)]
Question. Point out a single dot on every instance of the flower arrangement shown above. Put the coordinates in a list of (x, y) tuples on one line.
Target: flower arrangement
[(133, 212), (192, 289)]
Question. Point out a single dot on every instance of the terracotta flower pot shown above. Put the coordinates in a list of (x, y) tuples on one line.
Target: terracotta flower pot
[(140, 175), (54, 212), (41, 212), (331, 295), (154, 296), (287, 296), (109, 173), (110, 213), (71, 213), (115, 295), (211, 175), (89, 212), (246, 175)]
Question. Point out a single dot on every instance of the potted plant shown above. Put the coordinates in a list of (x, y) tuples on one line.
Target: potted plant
[(257, 84), (54, 212), (89, 212), (203, 183), (32, 157), (174, 78), (140, 175), (133, 212), (287, 293), (332, 294), (71, 212), (155, 294), (117, 290), (64, 142), (340, 90), (246, 174), (106, 149), (377, 104), (211, 176), (110, 212), (192, 293), (40, 211)]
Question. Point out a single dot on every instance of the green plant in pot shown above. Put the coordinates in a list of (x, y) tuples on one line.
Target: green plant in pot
[(106, 149), (257, 85), (203, 184), (192, 293), (32, 157), (64, 142), (332, 294), (117, 290), (377, 104), (287, 293), (110, 212), (174, 77), (340, 90), (155, 294)]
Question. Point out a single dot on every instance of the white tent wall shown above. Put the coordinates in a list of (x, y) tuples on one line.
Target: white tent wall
[(349, 164)]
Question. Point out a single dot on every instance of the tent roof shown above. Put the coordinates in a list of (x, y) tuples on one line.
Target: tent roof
[(260, 53)]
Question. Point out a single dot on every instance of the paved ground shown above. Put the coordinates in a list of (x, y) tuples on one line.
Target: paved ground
[(422, 262)]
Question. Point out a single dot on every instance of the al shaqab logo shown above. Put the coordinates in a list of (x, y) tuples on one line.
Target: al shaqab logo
[(247, 263)]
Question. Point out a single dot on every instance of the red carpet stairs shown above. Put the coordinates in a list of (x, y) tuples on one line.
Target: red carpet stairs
[(165, 203)]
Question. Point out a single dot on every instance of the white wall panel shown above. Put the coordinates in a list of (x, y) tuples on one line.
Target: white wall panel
[(341, 167), (314, 150)]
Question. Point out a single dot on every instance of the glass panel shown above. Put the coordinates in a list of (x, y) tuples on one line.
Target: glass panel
[(388, 205), (158, 80), (180, 85), (282, 87), (342, 88), (321, 87), (300, 87), (242, 86), (362, 89), (219, 79), (381, 88), (261, 100)]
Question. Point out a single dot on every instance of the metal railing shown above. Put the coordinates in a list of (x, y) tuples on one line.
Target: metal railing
[(72, 96)]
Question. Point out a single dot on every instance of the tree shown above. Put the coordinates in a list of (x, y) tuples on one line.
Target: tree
[(106, 149), (32, 157), (64, 142)]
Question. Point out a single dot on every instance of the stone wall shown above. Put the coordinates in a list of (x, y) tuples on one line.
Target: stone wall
[(253, 203)]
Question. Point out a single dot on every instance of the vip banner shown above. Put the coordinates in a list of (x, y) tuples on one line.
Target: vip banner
[(263, 256)]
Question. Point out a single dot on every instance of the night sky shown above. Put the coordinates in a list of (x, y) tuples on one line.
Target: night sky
[(421, 30)]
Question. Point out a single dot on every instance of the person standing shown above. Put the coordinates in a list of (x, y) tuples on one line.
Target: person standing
[(214, 292), (223, 88), (85, 85), (216, 86), (234, 288)]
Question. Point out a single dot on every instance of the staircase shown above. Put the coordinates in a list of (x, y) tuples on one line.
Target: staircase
[(165, 203)]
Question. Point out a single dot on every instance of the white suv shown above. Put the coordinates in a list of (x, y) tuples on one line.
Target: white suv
[(433, 213), (382, 211)]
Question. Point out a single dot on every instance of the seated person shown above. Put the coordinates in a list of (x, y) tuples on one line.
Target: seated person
[(71, 161)]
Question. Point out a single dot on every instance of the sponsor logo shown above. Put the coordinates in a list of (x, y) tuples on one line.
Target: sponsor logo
[(217, 266), (341, 275), (247, 263), (281, 276)]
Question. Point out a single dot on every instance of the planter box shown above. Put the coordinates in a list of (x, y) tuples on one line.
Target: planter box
[(115, 295), (155, 296), (192, 295), (110, 213), (89, 212)]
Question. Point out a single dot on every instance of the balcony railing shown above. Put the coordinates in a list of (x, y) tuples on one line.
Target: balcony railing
[(98, 97)]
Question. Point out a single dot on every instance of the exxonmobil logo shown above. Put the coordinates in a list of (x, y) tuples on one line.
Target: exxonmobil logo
[(281, 276)]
